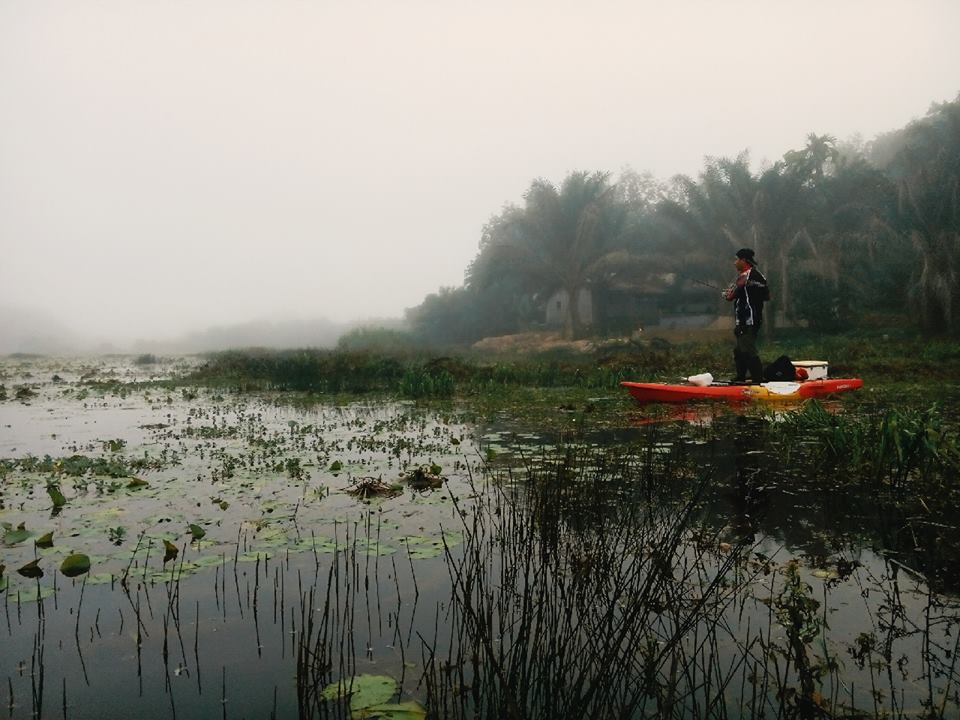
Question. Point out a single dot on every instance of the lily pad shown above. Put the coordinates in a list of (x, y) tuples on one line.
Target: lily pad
[(45, 540), (318, 544), (31, 570), (374, 549), (254, 555), (209, 560), (31, 593), (197, 531), (74, 565), (99, 578), (426, 551), (136, 483), (364, 691), (409, 710), (13, 537)]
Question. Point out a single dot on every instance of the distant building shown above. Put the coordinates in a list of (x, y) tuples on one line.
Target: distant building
[(558, 303), (621, 305)]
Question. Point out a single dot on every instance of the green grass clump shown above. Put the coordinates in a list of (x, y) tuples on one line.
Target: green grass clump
[(302, 370), (898, 446), (420, 383)]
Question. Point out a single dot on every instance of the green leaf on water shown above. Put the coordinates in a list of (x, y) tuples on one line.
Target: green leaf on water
[(136, 483), (99, 578), (31, 570), (254, 555), (364, 691), (409, 710), (435, 469), (56, 496), (319, 544), (374, 549), (31, 593), (209, 560), (45, 541), (170, 551), (197, 531), (336, 466), (74, 565), (452, 538), (422, 553), (12, 537)]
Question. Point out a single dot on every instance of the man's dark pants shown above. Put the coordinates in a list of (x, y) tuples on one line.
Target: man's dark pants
[(745, 354)]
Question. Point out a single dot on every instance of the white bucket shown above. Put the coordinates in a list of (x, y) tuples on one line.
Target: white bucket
[(701, 380)]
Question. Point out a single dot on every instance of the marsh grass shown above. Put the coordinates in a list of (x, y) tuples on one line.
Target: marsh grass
[(570, 602), (896, 447), (418, 373), (588, 587)]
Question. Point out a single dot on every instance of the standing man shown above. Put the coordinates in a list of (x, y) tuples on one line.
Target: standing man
[(748, 293)]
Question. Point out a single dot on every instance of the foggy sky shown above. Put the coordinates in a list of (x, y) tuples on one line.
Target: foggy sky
[(169, 165)]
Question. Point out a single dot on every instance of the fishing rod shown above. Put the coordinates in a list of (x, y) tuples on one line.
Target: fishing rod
[(700, 282)]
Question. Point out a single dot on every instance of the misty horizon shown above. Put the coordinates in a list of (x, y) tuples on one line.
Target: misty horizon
[(24, 331), (167, 169)]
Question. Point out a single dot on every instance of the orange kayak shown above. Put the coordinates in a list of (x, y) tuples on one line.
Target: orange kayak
[(767, 392)]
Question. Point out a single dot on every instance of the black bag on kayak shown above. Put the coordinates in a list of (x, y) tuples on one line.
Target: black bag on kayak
[(780, 369)]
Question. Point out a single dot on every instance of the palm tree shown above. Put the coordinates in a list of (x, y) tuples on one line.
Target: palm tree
[(561, 239), (714, 217), (810, 163), (730, 207), (928, 169)]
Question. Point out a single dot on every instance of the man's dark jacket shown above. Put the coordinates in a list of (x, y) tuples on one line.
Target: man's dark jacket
[(748, 300)]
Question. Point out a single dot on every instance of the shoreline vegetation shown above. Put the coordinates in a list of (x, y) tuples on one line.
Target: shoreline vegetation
[(887, 358)]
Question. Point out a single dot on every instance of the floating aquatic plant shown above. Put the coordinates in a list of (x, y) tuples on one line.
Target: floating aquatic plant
[(74, 565), (365, 488)]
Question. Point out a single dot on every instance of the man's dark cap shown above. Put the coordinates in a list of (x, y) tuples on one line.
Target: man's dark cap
[(746, 254)]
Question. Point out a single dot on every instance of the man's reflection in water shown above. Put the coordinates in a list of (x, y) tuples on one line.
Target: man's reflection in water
[(747, 495)]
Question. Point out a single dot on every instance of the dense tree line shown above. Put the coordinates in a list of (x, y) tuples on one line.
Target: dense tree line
[(844, 231)]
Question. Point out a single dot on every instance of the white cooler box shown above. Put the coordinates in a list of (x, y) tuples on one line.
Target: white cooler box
[(816, 369)]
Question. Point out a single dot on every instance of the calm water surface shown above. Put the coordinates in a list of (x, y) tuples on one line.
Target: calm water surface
[(277, 557)]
